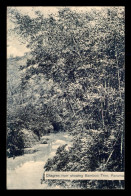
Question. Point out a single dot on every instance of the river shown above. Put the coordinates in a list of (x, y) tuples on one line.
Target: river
[(26, 171)]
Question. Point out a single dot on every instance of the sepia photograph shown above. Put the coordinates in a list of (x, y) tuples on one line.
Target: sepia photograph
[(65, 97)]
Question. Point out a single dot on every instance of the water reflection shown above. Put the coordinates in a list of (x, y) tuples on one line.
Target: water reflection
[(26, 171)]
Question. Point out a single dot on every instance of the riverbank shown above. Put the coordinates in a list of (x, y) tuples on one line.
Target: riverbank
[(25, 172)]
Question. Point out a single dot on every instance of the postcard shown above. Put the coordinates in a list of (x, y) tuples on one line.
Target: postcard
[(65, 97)]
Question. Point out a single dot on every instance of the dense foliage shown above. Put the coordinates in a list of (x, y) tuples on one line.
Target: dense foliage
[(74, 81)]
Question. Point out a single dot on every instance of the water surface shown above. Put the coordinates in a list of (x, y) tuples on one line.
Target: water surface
[(26, 171)]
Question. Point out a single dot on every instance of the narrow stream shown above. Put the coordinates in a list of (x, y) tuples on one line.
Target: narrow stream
[(25, 172)]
